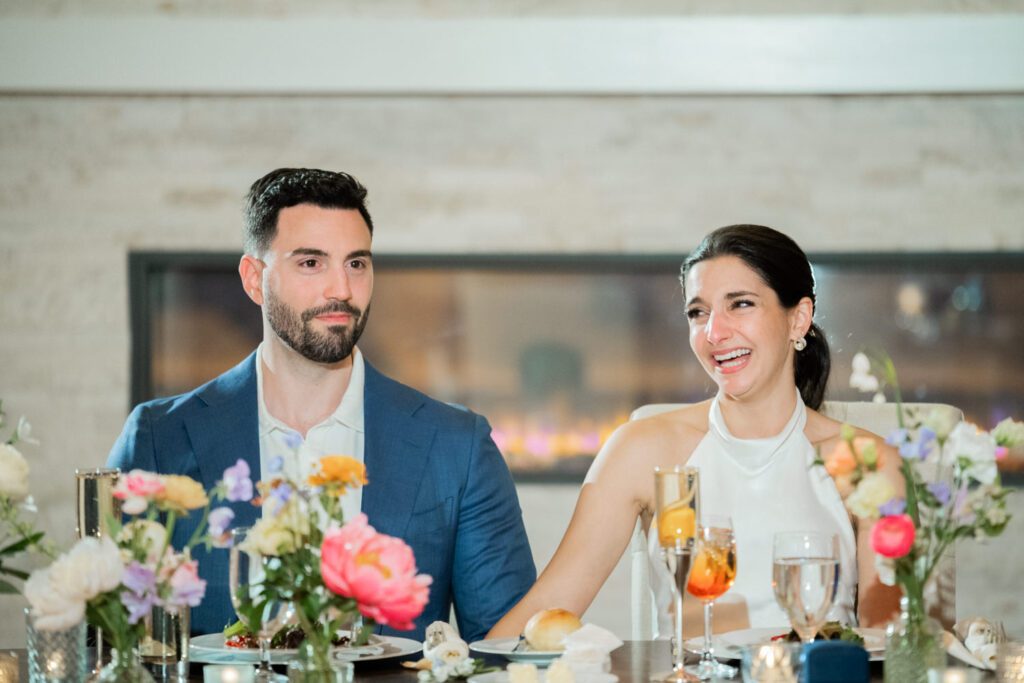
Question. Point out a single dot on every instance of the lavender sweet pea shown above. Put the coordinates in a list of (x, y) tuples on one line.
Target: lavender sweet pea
[(218, 525), (237, 482), (894, 506), (141, 595), (940, 490)]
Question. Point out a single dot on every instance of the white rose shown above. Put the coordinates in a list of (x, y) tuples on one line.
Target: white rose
[(1009, 433), (52, 609), (873, 491), (93, 566), (977, 446), (278, 534), (941, 421), (449, 653), (13, 473), (152, 536), (886, 569)]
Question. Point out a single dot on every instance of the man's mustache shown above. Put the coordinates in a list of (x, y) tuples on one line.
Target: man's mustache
[(336, 307)]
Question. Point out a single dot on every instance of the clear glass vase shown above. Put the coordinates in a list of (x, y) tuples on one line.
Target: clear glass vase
[(125, 667), (913, 644), (307, 667)]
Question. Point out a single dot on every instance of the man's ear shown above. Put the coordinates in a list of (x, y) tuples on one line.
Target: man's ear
[(250, 269), (800, 318)]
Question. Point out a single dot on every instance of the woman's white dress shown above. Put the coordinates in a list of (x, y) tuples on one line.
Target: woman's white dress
[(766, 486)]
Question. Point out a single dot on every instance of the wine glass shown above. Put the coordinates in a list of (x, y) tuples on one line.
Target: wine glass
[(712, 574), (677, 505), (262, 611), (805, 573)]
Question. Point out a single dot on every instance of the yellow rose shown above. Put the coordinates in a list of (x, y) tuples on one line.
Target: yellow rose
[(278, 533), (873, 491), (339, 470), (181, 493)]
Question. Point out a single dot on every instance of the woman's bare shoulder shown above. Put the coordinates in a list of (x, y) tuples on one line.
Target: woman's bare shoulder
[(663, 440), (824, 433)]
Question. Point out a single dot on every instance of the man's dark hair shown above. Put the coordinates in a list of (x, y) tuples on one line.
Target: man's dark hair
[(292, 186)]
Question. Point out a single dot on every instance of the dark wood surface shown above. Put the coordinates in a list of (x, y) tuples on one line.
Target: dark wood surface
[(634, 662)]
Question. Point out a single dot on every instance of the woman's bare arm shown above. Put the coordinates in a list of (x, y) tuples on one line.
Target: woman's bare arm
[(617, 489)]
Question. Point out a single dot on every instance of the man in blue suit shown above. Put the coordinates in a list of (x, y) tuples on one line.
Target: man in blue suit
[(436, 478)]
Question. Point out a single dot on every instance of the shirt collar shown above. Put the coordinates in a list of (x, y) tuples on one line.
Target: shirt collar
[(348, 413)]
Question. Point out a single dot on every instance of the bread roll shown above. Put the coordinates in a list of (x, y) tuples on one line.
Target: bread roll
[(548, 628)]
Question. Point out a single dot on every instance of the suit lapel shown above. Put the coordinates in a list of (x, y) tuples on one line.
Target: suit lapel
[(397, 450), (226, 428)]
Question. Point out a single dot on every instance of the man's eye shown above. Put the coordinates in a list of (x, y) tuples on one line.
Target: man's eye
[(309, 263), (358, 264)]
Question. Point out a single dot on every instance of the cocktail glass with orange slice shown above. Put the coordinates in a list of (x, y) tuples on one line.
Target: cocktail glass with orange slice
[(712, 574), (677, 507)]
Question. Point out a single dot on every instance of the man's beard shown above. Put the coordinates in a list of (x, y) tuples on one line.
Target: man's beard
[(331, 346)]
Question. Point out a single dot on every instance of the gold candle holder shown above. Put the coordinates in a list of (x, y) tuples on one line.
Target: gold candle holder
[(95, 500)]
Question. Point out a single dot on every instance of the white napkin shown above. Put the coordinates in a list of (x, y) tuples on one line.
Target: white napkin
[(587, 653), (975, 642)]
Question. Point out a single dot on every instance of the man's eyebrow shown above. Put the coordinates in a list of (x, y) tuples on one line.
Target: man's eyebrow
[(360, 253), (307, 251)]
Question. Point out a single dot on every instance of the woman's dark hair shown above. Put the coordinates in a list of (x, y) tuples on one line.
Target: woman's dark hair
[(784, 267)]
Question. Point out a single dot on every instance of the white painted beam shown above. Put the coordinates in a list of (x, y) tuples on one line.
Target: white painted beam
[(712, 55)]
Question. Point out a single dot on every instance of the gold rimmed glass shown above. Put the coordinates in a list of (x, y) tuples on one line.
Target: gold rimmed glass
[(677, 506)]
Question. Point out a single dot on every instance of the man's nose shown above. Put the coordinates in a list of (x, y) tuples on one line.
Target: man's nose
[(338, 286)]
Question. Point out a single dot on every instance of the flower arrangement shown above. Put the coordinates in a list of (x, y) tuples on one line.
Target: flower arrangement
[(330, 571), (17, 535), (114, 581), (952, 486)]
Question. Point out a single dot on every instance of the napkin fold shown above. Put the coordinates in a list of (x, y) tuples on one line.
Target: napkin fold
[(588, 653), (974, 641)]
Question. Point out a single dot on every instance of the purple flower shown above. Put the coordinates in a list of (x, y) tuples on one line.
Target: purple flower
[(897, 436), (920, 448), (282, 493), (940, 490), (292, 440), (237, 482), (275, 465), (894, 506), (219, 521), (141, 595), (186, 586), (962, 512)]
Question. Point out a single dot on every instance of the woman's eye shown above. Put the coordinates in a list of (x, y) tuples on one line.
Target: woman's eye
[(743, 303), (694, 313)]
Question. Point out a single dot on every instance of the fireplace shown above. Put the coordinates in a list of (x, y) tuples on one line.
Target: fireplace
[(557, 350)]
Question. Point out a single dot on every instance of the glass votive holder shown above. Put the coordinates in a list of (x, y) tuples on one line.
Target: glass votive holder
[(771, 663), (55, 656), (954, 674), (299, 671), (1010, 662), (229, 673)]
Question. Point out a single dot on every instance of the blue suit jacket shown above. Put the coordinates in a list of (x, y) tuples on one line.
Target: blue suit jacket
[(436, 480)]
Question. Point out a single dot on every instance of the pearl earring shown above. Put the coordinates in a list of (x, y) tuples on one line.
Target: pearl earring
[(800, 344)]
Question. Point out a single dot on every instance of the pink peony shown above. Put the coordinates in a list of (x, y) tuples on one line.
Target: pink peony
[(136, 489), (378, 571), (893, 536)]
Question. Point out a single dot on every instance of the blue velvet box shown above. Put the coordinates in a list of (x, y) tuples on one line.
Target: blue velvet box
[(834, 661)]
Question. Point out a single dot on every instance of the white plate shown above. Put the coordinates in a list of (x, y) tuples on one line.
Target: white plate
[(502, 677), (506, 648), (210, 649), (730, 645)]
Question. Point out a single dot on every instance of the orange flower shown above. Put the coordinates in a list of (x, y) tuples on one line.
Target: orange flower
[(841, 461), (339, 470)]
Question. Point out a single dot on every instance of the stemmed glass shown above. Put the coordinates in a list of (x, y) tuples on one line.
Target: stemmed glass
[(805, 574), (713, 573), (677, 505), (262, 611)]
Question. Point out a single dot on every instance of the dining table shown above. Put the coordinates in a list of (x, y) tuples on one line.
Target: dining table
[(634, 662)]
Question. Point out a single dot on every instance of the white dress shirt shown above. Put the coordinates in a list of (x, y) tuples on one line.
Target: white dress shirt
[(341, 433)]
